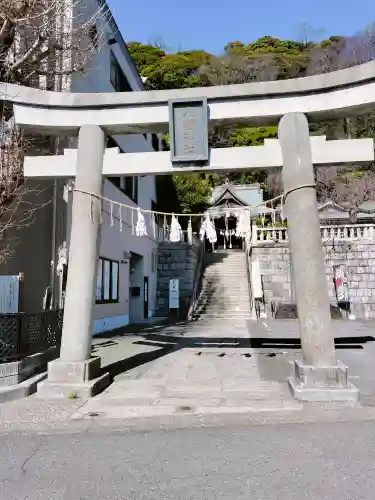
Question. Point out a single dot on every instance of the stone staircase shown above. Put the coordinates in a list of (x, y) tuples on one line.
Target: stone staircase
[(224, 292)]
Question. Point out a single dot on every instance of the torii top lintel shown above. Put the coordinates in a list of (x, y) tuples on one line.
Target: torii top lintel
[(341, 93)]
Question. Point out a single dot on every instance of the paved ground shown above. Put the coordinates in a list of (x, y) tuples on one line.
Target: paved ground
[(235, 462), (187, 374), (221, 367)]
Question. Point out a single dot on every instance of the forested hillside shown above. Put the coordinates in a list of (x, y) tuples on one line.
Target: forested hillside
[(267, 58)]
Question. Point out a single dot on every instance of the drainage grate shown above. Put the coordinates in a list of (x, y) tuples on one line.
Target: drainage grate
[(93, 414), (185, 408)]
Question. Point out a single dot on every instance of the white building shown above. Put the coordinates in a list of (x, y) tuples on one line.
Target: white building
[(127, 272)]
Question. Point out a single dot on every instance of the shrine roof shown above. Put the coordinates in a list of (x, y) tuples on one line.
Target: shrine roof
[(243, 194)]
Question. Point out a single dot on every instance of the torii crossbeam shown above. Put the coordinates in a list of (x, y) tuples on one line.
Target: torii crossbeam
[(343, 93)]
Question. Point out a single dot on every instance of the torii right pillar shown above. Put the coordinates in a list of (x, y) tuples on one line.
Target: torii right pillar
[(318, 376)]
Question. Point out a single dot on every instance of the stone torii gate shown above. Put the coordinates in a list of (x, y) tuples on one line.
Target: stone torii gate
[(289, 103)]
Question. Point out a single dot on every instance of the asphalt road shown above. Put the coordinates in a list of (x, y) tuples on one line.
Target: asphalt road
[(304, 461)]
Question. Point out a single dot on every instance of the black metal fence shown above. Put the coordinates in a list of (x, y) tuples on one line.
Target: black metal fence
[(23, 334)]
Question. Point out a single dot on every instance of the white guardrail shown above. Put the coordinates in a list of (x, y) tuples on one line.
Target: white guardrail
[(347, 232)]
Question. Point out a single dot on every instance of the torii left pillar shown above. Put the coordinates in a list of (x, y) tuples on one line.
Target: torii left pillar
[(76, 373)]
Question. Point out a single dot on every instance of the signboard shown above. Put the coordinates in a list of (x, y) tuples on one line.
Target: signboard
[(341, 283), (174, 294), (9, 294), (188, 130)]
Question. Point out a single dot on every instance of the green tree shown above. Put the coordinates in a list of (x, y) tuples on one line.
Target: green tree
[(175, 71), (144, 55), (268, 58), (193, 191)]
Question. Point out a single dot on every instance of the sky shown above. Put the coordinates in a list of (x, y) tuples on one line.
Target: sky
[(211, 24)]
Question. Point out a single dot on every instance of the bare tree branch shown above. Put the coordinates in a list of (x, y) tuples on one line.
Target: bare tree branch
[(349, 188), (42, 42), (233, 68), (52, 33), (27, 55)]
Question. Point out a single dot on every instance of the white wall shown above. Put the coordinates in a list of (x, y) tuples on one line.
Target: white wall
[(114, 242), (34, 252)]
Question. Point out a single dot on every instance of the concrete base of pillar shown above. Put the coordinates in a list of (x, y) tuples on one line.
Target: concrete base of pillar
[(71, 380), (322, 383)]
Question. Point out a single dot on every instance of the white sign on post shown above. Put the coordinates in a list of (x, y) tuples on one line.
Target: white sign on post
[(9, 294), (174, 294)]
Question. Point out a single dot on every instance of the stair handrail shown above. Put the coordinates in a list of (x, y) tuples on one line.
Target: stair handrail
[(197, 279), (247, 251)]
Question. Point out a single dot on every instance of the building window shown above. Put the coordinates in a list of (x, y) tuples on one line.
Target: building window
[(128, 185), (111, 143), (154, 261), (107, 283), (94, 36), (117, 77), (155, 142), (158, 218)]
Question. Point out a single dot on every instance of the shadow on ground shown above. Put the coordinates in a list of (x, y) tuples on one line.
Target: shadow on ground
[(162, 339)]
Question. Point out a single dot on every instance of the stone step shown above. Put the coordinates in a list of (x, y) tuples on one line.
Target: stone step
[(223, 301), (216, 281), (225, 291), (237, 265), (228, 318), (226, 265), (239, 282), (226, 277), (221, 306), (223, 272), (233, 265), (217, 306), (213, 307), (227, 255), (224, 314), (205, 310), (226, 274), (228, 260)]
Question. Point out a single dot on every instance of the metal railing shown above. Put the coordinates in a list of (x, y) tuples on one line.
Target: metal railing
[(197, 280), (247, 251), (24, 334)]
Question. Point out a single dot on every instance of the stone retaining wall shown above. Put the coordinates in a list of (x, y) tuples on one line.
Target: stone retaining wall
[(357, 256), (175, 261)]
